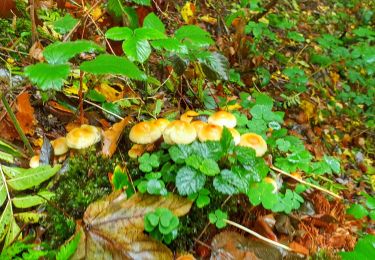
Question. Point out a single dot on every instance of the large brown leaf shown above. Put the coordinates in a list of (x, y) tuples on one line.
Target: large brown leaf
[(113, 228), (112, 136)]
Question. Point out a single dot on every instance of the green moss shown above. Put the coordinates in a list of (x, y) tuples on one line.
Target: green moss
[(85, 181)]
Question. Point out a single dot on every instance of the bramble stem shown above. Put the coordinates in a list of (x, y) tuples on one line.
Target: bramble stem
[(306, 183), (257, 235), (16, 124)]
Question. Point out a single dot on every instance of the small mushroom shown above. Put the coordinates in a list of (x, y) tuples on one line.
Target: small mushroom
[(162, 123), (188, 116), (198, 125), (83, 137), (34, 161), (236, 135), (223, 118), (136, 151), (144, 133), (179, 132), (210, 133), (254, 141), (60, 146)]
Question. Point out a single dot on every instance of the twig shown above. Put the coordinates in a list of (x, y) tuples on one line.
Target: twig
[(97, 106), (34, 32), (306, 183), (257, 235)]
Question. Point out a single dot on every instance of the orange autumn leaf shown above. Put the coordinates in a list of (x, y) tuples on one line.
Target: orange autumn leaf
[(112, 136), (25, 114)]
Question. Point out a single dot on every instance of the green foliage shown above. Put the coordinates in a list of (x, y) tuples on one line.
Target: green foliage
[(66, 251), (360, 211), (218, 218), (65, 24), (162, 225), (120, 180), (364, 249)]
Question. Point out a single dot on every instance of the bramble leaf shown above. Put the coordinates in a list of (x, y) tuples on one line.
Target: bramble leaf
[(48, 76)]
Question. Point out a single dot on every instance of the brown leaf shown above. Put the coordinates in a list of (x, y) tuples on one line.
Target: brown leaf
[(25, 114), (36, 51), (6, 7), (113, 228), (298, 248), (112, 136)]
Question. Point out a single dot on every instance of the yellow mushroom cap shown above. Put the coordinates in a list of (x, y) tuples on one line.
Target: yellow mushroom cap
[(254, 141), (34, 161), (162, 123), (83, 137), (59, 146), (210, 133), (188, 116), (179, 132), (236, 135), (223, 118), (136, 151), (198, 125), (144, 133)]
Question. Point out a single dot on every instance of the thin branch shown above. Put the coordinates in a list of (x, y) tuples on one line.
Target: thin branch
[(257, 235), (306, 183)]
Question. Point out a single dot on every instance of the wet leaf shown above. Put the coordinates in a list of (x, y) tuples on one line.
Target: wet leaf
[(25, 113), (112, 136), (113, 227)]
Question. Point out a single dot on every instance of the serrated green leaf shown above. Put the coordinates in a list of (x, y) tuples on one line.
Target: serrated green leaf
[(3, 192), (119, 33), (142, 2), (333, 163), (229, 183), (179, 153), (110, 64), (194, 35), (215, 66), (13, 232), (170, 44), (189, 181), (148, 34), (209, 167), (62, 52), (5, 220), (65, 24), (153, 22), (48, 76), (29, 178), (137, 49), (32, 200)]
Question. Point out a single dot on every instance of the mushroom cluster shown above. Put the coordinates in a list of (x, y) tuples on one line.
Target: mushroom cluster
[(78, 138), (187, 129)]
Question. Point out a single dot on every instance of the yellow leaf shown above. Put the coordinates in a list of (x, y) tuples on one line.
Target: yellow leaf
[(187, 12), (208, 19), (110, 92), (112, 136)]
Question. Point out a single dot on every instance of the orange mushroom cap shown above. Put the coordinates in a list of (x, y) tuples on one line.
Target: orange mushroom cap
[(223, 118), (188, 116), (254, 141), (83, 137), (179, 132), (145, 133), (210, 133)]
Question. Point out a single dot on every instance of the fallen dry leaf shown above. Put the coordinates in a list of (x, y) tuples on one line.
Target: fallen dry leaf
[(113, 227), (25, 114), (112, 136)]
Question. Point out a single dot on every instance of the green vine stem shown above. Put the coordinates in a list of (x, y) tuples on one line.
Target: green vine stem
[(17, 125)]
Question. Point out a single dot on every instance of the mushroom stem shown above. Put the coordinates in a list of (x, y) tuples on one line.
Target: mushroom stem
[(257, 235), (306, 183)]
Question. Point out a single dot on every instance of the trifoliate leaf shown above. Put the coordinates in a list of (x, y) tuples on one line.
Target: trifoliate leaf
[(262, 193), (189, 181), (48, 76), (119, 33), (194, 35), (149, 34), (215, 66), (153, 22), (137, 49)]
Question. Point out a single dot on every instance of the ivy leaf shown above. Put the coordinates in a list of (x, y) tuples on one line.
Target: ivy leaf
[(119, 33), (189, 181), (358, 211), (48, 76), (65, 24), (110, 64), (62, 52), (153, 22), (209, 167)]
